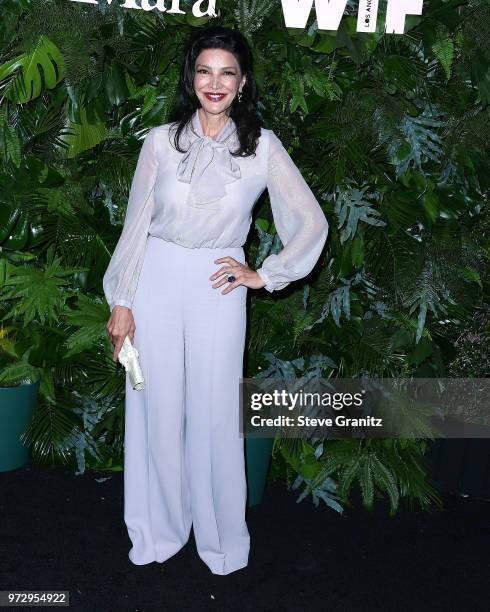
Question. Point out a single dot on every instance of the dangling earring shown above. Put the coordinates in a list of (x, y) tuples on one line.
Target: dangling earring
[(239, 96)]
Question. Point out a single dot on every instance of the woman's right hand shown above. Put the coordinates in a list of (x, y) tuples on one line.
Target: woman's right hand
[(120, 325)]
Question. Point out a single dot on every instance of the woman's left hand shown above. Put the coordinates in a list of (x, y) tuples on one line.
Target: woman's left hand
[(242, 273)]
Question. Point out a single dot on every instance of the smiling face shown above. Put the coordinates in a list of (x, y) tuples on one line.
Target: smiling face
[(217, 79)]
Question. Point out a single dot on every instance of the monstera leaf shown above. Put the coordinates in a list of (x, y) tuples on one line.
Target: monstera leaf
[(420, 143), (25, 70)]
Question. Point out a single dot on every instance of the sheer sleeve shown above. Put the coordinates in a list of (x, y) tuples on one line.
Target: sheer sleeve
[(298, 217), (121, 277)]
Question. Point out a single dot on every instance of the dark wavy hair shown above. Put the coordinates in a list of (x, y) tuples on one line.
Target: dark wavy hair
[(244, 113)]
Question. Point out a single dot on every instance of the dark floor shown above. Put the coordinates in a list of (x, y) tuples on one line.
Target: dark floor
[(66, 532)]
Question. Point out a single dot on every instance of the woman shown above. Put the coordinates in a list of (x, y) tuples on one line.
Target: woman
[(188, 215)]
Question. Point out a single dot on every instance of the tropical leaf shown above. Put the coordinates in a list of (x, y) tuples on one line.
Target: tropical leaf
[(42, 63), (420, 143), (91, 319), (250, 14), (18, 372), (79, 137), (10, 143), (36, 292), (352, 207), (443, 49), (48, 433), (320, 80), (427, 296), (338, 301)]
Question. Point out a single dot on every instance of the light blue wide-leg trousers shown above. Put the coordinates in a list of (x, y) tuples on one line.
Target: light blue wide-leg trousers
[(184, 461)]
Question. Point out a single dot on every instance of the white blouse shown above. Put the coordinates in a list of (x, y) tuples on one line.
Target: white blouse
[(205, 198)]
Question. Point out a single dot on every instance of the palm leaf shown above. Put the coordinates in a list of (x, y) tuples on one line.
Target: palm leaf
[(250, 14)]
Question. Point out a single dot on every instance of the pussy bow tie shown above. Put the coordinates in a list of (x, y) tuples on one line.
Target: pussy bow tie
[(208, 165)]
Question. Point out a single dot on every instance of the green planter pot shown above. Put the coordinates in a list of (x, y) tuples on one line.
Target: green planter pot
[(258, 455), (16, 407)]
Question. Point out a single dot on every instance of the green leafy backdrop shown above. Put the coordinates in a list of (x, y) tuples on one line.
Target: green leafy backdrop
[(390, 131)]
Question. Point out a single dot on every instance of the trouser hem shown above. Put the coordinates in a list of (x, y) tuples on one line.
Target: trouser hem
[(156, 556), (227, 565)]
